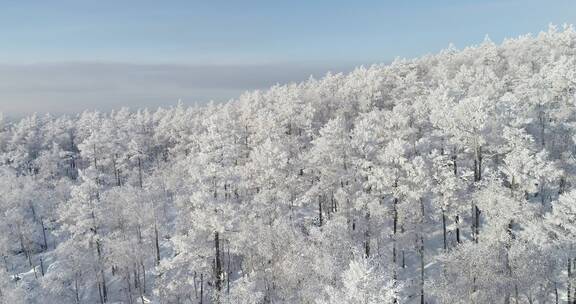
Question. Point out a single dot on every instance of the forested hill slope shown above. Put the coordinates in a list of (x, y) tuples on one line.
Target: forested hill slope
[(444, 179)]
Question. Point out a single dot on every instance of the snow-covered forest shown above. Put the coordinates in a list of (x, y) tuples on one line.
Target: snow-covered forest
[(443, 179)]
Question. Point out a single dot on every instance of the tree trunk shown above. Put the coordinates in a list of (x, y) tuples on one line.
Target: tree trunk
[(44, 233), (102, 274), (454, 164), (100, 293), (218, 264), (403, 258), (569, 284), (334, 204), (129, 287), (444, 229), (195, 286), (116, 172), (507, 260), (422, 220), (201, 288), (30, 262), (479, 163), (156, 243), (394, 229), (475, 223), (421, 269), (95, 159), (21, 239), (542, 120), (143, 276), (475, 170), (141, 294), (136, 276), (139, 233), (394, 258), (457, 220), (104, 289), (33, 210), (35, 274), (5, 263), (76, 291), (140, 171), (228, 270), (556, 293), (320, 210), (367, 236), (119, 178)]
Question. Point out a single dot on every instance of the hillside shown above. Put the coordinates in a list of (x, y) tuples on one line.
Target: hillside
[(442, 179)]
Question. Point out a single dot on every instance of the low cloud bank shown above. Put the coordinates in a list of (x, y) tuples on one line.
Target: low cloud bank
[(73, 87)]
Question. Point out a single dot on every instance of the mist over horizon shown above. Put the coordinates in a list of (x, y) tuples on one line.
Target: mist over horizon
[(67, 88)]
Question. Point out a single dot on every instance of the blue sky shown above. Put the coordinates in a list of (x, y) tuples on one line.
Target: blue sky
[(70, 55)]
